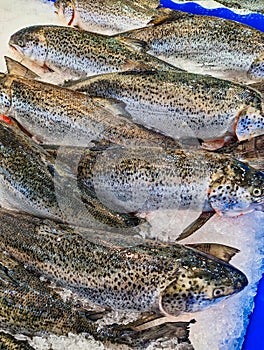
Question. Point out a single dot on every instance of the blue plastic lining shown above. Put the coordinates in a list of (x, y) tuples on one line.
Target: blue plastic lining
[(254, 339), (255, 20)]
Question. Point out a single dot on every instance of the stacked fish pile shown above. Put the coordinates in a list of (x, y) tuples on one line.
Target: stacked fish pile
[(128, 131)]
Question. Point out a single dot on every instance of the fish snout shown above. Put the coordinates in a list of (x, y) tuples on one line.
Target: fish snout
[(250, 123), (241, 282), (30, 42)]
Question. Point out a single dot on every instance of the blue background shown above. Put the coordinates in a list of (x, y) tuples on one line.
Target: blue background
[(254, 339)]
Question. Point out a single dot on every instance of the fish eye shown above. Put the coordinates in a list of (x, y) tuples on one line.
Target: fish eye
[(20, 42), (218, 292), (256, 192)]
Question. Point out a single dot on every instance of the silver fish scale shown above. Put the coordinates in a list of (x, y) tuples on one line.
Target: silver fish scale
[(208, 43), (128, 182), (181, 105)]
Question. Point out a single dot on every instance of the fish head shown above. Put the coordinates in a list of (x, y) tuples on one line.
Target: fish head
[(201, 285), (256, 70), (65, 10), (237, 189), (31, 43), (5, 94), (249, 124)]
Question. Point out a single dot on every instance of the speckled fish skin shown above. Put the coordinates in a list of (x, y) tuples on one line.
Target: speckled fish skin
[(31, 182), (77, 53), (30, 306), (252, 5), (183, 105), (204, 44), (106, 17), (55, 115), (8, 342), (145, 179), (147, 276)]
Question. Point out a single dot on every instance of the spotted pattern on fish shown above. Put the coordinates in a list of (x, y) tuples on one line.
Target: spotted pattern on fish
[(113, 275), (183, 105), (206, 44), (107, 17), (31, 182), (145, 179), (76, 53), (59, 116)]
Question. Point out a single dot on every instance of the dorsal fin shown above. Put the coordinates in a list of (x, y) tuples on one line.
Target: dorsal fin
[(220, 251), (16, 68)]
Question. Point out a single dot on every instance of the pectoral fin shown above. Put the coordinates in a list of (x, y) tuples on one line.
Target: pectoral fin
[(195, 225), (134, 44), (128, 334), (16, 68), (220, 251)]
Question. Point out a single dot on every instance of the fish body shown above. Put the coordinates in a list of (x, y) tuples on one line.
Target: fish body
[(146, 276), (31, 307), (183, 105), (8, 342), (204, 44), (254, 5), (55, 115), (75, 53), (30, 181), (145, 179), (107, 17)]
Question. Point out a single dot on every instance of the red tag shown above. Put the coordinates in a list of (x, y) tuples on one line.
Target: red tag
[(6, 119)]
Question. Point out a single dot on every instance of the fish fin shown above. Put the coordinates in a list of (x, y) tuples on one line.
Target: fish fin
[(130, 335), (134, 44), (167, 15), (131, 65), (95, 315), (259, 86), (213, 144), (220, 251), (195, 225), (113, 105), (16, 68)]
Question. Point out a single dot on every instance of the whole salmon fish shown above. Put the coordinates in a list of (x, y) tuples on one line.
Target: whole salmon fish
[(144, 179), (167, 279), (30, 306), (32, 181), (55, 115), (74, 53), (107, 17), (183, 105), (203, 44)]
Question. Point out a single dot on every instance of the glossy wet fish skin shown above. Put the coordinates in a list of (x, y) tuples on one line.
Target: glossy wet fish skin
[(145, 179), (30, 306), (222, 48), (141, 277), (55, 115), (254, 5), (8, 342), (106, 17), (183, 105), (32, 182), (74, 53)]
